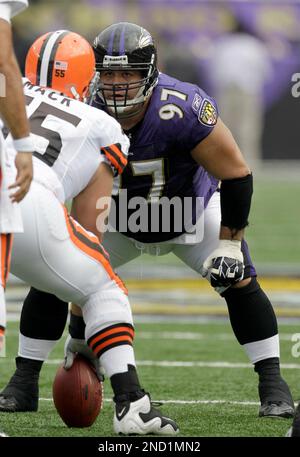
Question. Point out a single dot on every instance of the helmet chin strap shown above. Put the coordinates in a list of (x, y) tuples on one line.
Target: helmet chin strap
[(131, 111)]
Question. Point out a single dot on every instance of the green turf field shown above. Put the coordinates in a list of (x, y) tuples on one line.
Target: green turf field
[(209, 391), (274, 231)]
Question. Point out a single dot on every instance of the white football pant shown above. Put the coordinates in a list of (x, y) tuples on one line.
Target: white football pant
[(57, 255)]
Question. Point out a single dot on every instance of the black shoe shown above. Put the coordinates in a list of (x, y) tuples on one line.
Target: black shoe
[(17, 403), (276, 409), (22, 392), (275, 397)]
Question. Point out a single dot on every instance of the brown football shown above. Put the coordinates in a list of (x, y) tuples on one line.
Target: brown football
[(77, 393)]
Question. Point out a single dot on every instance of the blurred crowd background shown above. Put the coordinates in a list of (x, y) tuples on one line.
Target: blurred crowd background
[(244, 53)]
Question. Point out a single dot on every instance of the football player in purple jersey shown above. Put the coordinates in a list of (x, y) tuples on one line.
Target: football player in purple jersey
[(180, 148)]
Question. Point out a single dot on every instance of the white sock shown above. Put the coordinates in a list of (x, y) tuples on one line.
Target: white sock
[(116, 360), (263, 349), (30, 348)]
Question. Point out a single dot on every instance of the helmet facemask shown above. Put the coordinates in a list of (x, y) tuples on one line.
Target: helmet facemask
[(116, 96), (91, 91)]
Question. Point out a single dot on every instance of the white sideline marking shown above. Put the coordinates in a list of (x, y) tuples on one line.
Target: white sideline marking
[(197, 336), (170, 363), (182, 336), (190, 402)]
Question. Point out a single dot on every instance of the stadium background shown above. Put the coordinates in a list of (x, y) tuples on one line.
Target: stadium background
[(163, 290)]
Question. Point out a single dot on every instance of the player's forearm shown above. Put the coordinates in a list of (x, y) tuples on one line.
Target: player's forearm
[(12, 105), (228, 234)]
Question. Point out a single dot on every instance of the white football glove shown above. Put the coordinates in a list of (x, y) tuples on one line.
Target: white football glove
[(75, 346), (225, 265)]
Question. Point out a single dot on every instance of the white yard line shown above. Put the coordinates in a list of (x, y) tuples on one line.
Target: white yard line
[(191, 402), (183, 335), (199, 363), (198, 336)]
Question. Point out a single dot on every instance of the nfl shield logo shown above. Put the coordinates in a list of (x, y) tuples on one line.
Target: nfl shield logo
[(208, 114)]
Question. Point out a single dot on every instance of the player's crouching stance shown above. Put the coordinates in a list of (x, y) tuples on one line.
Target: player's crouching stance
[(77, 148)]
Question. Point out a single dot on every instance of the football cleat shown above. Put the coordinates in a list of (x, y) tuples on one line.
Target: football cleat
[(140, 418), (3, 435), (276, 399), (17, 403), (276, 409), (21, 393)]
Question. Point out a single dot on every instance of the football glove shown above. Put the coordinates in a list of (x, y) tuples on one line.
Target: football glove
[(75, 346), (225, 265)]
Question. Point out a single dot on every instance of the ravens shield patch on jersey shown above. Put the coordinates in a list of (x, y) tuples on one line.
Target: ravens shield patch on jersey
[(208, 113)]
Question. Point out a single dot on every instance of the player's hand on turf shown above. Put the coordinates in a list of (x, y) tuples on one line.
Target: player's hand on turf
[(75, 346), (225, 265)]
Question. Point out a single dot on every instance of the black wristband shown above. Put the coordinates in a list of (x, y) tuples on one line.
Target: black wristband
[(76, 326)]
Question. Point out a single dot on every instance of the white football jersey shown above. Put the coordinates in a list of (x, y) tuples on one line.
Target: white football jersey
[(10, 8), (71, 140)]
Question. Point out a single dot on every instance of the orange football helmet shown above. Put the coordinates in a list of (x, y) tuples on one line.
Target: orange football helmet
[(61, 60)]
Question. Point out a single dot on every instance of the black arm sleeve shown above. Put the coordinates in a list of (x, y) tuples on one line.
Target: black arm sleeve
[(236, 197)]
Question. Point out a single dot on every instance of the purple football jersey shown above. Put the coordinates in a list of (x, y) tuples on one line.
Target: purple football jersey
[(179, 116)]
